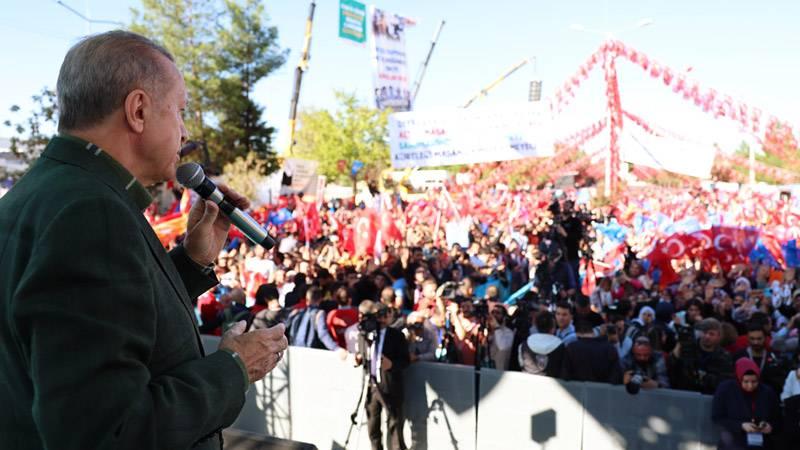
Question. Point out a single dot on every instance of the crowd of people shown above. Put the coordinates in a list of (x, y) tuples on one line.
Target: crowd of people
[(517, 300)]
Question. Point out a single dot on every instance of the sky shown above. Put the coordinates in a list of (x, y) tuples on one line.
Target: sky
[(743, 48)]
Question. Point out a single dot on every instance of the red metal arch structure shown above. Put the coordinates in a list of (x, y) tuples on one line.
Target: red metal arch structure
[(751, 119)]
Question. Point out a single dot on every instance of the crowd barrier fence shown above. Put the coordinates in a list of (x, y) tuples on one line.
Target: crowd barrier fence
[(311, 395)]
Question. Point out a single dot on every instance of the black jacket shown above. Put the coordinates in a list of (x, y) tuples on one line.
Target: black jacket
[(592, 359), (731, 407), (99, 347), (395, 348)]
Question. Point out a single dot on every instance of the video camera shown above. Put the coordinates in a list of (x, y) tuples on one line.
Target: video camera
[(368, 326)]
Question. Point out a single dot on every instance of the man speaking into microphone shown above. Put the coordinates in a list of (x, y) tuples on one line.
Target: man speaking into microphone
[(98, 345)]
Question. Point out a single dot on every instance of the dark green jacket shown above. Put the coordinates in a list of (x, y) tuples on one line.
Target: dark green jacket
[(99, 348)]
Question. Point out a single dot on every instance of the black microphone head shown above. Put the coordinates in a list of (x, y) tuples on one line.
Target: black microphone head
[(189, 148), (190, 175)]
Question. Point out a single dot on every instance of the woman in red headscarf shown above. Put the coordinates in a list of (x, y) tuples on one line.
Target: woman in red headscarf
[(747, 411)]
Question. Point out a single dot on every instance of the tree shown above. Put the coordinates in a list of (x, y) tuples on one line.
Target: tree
[(248, 54), (33, 132), (223, 50), (353, 132), (244, 173)]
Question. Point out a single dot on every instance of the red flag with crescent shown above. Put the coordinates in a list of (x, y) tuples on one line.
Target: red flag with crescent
[(365, 228)]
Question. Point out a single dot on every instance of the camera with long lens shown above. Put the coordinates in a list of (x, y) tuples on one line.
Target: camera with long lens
[(368, 326), (635, 384), (480, 308)]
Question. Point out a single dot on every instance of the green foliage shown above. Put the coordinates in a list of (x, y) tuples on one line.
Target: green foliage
[(32, 133), (353, 132), (245, 172), (223, 49)]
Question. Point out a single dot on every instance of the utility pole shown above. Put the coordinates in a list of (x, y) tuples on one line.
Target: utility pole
[(424, 66), (302, 66)]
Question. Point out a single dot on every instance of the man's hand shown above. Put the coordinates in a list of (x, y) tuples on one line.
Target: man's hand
[(260, 350), (626, 377), (765, 428), (649, 383), (676, 352), (207, 229), (386, 363), (750, 427)]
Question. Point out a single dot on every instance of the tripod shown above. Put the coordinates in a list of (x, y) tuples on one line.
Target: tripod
[(356, 412), (365, 340)]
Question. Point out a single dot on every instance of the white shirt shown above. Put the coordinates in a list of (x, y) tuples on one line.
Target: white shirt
[(377, 352)]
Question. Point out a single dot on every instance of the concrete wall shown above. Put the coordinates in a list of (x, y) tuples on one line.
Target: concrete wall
[(517, 410), (310, 396)]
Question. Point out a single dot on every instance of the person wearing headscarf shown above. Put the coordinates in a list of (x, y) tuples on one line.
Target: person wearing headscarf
[(642, 325), (746, 410)]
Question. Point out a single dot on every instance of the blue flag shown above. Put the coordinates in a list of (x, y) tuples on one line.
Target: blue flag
[(357, 165)]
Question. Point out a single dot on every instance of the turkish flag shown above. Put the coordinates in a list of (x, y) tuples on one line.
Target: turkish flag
[(309, 225), (365, 228), (676, 246), (732, 245), (345, 233), (389, 229)]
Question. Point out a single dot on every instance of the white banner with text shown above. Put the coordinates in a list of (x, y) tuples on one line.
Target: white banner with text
[(466, 136)]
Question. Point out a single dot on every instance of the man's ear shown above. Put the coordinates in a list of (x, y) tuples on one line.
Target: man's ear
[(136, 102)]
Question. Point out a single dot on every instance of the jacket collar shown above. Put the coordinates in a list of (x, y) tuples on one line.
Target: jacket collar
[(75, 151)]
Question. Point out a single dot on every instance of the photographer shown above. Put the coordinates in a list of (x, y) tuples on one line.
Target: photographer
[(618, 334), (554, 279), (699, 364), (644, 368), (466, 328), (351, 333), (385, 357), (501, 338), (421, 336), (574, 229)]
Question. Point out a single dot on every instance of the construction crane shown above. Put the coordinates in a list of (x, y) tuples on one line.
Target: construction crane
[(302, 66), (499, 80)]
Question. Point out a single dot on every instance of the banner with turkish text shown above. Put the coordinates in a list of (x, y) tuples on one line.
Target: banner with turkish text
[(388, 46), (466, 136)]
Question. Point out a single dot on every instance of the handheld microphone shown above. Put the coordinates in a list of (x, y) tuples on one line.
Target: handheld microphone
[(189, 148), (191, 175)]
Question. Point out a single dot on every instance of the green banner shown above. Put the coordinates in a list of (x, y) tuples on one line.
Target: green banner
[(353, 21)]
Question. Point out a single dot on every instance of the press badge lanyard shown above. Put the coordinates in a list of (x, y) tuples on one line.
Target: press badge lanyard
[(754, 439)]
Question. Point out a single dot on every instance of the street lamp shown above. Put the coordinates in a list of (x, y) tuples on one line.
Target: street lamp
[(535, 87)]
